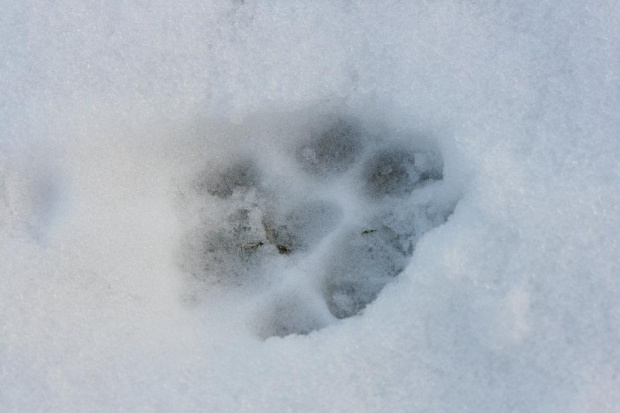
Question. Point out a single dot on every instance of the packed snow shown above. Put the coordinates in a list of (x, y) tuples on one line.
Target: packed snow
[(238, 205)]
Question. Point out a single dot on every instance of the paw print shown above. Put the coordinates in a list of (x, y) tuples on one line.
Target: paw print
[(348, 220)]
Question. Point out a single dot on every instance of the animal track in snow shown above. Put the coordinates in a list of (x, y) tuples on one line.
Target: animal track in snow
[(337, 222)]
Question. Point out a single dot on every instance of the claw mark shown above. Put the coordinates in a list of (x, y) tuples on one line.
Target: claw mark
[(252, 245), (283, 249)]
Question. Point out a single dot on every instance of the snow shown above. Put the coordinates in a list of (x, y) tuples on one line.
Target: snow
[(117, 118)]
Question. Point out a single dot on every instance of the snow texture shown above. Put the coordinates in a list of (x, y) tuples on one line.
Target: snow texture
[(310, 206)]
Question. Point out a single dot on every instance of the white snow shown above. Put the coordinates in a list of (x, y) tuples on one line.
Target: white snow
[(112, 113)]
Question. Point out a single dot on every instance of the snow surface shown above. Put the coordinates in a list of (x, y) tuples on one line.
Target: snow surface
[(111, 114)]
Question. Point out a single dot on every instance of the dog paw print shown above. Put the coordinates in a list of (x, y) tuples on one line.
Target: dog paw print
[(359, 203)]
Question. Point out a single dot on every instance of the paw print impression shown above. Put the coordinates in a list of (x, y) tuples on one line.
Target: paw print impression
[(319, 238)]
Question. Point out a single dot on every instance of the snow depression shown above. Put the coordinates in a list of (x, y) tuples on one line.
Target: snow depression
[(242, 205)]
